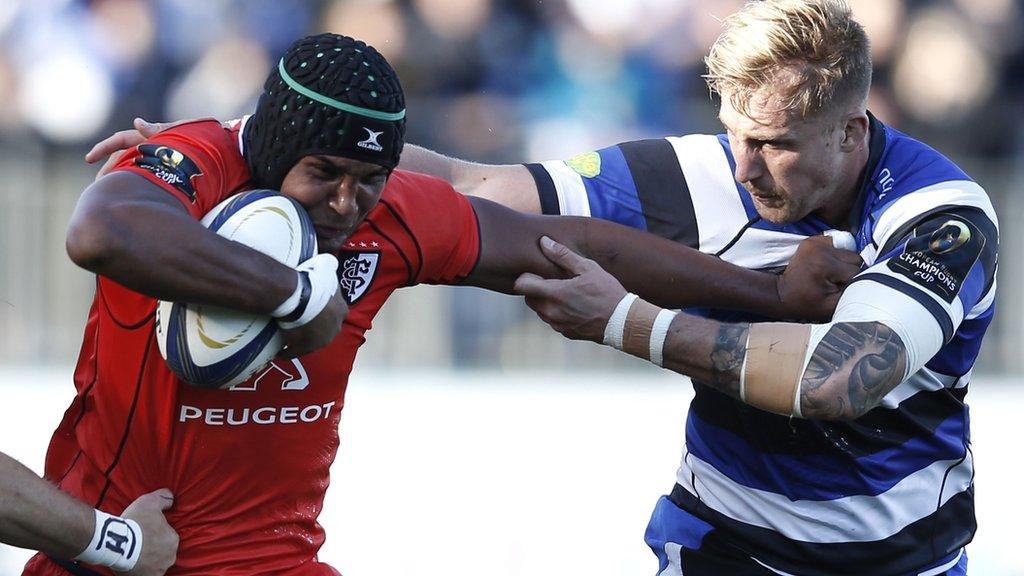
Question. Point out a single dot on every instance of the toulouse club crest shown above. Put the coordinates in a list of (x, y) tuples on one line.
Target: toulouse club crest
[(356, 273)]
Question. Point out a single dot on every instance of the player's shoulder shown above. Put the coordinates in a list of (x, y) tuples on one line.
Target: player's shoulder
[(417, 194), (912, 181)]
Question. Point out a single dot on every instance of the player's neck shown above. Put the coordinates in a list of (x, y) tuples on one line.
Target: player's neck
[(836, 211)]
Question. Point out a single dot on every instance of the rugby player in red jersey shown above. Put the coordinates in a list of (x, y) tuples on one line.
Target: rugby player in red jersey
[(249, 466)]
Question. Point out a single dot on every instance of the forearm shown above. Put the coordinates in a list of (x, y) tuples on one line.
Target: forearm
[(36, 515), (667, 273), (846, 373), (510, 185), (146, 241)]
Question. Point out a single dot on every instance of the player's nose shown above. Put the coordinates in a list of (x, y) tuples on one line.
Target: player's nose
[(343, 198), (749, 164)]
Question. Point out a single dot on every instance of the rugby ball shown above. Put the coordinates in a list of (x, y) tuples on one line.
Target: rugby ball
[(212, 347)]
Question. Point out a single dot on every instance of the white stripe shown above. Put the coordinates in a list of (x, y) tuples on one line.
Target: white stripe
[(849, 519), (241, 132), (572, 194), (924, 380), (659, 332), (716, 203), (673, 553), (955, 311), (919, 331), (909, 207), (763, 248)]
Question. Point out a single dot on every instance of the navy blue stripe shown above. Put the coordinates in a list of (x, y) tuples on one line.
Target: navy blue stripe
[(933, 307), (880, 429), (237, 203), (822, 476), (958, 357), (926, 542), (546, 190), (662, 189)]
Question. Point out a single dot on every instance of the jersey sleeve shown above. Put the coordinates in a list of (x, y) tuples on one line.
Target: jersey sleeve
[(932, 275), (639, 184), (199, 163), (440, 235)]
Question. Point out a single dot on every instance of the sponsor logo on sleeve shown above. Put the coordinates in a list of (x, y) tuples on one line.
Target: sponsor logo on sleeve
[(587, 165), (171, 166), (940, 254), (356, 273)]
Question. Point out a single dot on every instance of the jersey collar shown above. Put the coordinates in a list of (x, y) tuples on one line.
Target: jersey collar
[(876, 147)]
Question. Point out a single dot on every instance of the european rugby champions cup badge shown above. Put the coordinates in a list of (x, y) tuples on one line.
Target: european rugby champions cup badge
[(357, 270), (171, 166), (940, 255)]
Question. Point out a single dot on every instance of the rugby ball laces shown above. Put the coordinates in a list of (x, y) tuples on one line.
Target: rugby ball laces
[(214, 347)]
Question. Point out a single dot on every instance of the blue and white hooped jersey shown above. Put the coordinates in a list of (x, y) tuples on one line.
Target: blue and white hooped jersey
[(891, 492)]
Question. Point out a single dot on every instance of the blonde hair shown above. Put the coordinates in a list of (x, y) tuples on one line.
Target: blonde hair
[(812, 50)]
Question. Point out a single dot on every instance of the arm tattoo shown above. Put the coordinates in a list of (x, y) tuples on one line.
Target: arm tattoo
[(727, 357), (868, 357)]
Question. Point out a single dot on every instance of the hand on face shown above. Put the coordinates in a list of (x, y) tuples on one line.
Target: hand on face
[(577, 307)]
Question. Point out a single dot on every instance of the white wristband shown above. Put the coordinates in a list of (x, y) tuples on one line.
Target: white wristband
[(116, 543), (322, 272), (659, 332), (616, 326), (290, 303)]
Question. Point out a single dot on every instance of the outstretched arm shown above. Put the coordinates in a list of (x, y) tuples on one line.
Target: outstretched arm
[(835, 371), (662, 271), (36, 515), (510, 185)]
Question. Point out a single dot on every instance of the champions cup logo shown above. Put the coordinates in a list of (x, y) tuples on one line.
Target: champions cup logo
[(371, 142), (169, 157), (950, 236)]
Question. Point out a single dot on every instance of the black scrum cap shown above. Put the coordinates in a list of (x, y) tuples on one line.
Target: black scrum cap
[(331, 95)]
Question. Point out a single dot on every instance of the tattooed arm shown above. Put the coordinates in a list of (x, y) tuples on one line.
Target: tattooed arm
[(851, 369), (868, 357), (853, 364)]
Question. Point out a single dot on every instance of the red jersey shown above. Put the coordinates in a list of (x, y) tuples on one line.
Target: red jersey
[(249, 467)]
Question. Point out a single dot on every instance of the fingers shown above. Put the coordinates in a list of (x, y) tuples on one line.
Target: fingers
[(124, 139), (534, 287), (150, 129), (164, 498), (563, 257), (113, 143)]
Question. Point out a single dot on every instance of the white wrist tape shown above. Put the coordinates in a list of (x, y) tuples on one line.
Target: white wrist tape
[(639, 328), (116, 543), (617, 323), (292, 302), (321, 274), (659, 332)]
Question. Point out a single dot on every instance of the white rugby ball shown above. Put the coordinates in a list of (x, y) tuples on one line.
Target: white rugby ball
[(212, 347)]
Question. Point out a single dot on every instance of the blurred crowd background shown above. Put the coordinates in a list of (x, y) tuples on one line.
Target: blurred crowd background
[(487, 80)]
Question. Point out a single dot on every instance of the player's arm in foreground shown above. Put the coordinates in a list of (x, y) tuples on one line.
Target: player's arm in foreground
[(665, 272), (134, 232), (509, 185), (880, 335), (35, 514)]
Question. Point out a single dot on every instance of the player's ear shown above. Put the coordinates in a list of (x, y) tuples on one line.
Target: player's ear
[(855, 129)]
